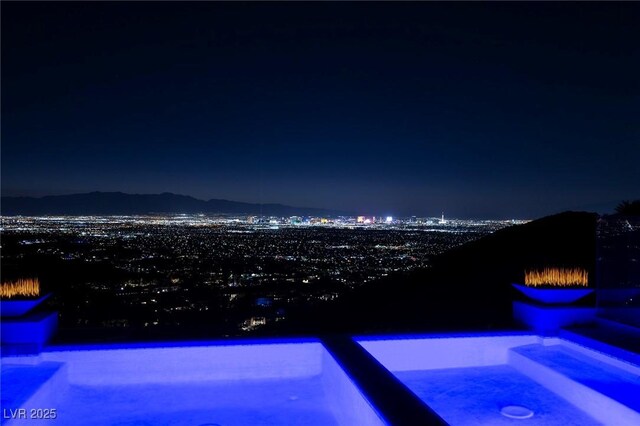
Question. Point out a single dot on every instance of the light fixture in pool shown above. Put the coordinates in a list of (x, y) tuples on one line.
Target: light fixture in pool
[(516, 412)]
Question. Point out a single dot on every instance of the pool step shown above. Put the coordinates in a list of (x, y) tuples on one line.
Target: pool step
[(29, 386), (609, 394), (621, 342)]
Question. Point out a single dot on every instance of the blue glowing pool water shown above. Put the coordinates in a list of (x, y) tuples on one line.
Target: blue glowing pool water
[(256, 384), (507, 379), (471, 380), (475, 395), (241, 402)]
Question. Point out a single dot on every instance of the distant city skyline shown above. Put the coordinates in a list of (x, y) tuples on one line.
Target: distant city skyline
[(480, 110)]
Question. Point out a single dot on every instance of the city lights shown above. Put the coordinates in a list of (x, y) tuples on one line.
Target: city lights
[(176, 269)]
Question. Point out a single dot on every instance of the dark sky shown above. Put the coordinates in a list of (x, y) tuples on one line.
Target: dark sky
[(480, 110)]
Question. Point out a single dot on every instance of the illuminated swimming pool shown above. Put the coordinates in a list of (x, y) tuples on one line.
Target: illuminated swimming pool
[(266, 383), (512, 379), (506, 379)]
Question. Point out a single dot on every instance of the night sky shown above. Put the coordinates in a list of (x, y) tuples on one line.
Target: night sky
[(478, 110)]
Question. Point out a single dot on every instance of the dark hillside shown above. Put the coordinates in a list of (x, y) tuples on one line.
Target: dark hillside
[(467, 288)]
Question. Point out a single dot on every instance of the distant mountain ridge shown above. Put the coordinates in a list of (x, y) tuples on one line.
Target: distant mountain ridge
[(120, 203)]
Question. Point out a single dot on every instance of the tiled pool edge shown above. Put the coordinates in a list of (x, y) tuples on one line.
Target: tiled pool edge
[(398, 405), (349, 404)]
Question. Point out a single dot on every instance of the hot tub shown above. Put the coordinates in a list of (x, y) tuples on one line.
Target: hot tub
[(511, 379)]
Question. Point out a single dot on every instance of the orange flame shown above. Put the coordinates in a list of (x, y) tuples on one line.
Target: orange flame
[(557, 277), (21, 287)]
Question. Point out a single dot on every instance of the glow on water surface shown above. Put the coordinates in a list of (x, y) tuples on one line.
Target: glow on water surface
[(476, 395), (470, 379), (227, 403), (291, 383), (465, 379)]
